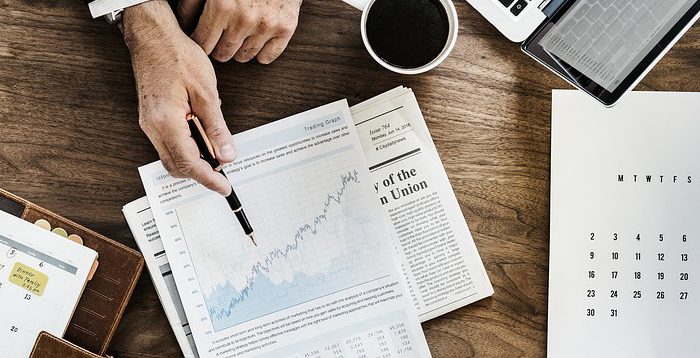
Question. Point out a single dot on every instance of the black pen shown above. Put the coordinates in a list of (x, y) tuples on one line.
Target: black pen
[(207, 153)]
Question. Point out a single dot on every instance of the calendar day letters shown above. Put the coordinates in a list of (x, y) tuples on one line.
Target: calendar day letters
[(28, 278), (655, 178)]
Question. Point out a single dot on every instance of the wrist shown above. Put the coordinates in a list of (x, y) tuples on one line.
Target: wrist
[(147, 20)]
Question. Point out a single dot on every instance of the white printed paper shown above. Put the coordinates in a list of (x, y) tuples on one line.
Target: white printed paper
[(322, 281), (42, 276), (143, 226), (624, 265)]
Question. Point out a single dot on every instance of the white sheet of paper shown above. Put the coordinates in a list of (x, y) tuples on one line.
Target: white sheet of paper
[(42, 276), (625, 236), (139, 216), (322, 281)]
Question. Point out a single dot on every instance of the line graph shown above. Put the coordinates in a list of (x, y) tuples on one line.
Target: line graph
[(306, 251), (265, 265)]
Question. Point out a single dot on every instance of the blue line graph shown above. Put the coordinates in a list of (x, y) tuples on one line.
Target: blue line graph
[(260, 295)]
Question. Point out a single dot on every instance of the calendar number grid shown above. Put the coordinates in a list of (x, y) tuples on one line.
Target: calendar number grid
[(635, 270)]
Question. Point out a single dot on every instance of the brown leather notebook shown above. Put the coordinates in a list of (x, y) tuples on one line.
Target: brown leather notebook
[(50, 346), (105, 296)]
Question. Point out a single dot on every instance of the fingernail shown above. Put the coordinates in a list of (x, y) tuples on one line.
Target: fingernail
[(228, 152)]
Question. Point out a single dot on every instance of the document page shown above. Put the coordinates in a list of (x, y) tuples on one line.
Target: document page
[(322, 281), (439, 260), (143, 226), (42, 276), (625, 236)]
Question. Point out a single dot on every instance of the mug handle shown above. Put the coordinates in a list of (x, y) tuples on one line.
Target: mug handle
[(357, 4)]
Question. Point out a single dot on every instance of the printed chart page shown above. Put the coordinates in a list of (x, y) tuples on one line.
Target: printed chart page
[(322, 281), (42, 276), (625, 234), (143, 226), (439, 260)]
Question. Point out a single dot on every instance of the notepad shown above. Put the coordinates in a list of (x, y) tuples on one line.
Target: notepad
[(42, 277), (625, 235)]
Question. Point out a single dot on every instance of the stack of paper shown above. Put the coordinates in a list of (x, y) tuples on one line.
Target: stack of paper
[(359, 232)]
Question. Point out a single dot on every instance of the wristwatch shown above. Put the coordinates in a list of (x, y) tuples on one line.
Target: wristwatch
[(115, 18), (111, 10)]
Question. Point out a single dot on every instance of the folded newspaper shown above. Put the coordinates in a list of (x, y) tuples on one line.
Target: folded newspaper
[(434, 249)]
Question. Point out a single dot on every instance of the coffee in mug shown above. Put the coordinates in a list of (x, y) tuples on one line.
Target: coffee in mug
[(407, 34)]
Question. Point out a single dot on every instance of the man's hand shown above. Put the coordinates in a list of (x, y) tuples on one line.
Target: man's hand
[(241, 29), (174, 77)]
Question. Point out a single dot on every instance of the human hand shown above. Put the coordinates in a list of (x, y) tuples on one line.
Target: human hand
[(175, 77), (241, 29)]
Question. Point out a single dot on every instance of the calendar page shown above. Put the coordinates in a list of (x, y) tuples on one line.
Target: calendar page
[(624, 274), (42, 276)]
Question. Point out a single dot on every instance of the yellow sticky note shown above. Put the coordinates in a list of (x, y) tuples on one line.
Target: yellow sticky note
[(28, 278)]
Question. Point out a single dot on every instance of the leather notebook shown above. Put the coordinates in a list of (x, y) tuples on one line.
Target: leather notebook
[(105, 296)]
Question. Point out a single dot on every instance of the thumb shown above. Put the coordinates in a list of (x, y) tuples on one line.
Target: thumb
[(209, 112)]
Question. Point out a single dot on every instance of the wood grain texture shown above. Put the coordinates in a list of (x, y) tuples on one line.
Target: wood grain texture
[(70, 141)]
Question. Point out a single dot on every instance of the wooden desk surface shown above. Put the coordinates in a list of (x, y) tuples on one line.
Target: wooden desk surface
[(70, 141)]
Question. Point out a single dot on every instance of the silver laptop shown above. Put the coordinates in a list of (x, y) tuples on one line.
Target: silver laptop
[(603, 47)]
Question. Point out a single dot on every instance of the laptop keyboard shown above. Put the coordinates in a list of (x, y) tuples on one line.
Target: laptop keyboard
[(620, 22), (605, 39), (517, 6)]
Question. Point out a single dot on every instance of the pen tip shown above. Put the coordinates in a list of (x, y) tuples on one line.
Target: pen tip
[(252, 238)]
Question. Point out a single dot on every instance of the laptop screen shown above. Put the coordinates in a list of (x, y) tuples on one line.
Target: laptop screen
[(603, 45)]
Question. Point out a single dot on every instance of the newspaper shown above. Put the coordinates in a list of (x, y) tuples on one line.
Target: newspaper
[(439, 259)]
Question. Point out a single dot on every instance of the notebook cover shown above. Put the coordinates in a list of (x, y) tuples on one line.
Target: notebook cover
[(105, 297), (49, 346)]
